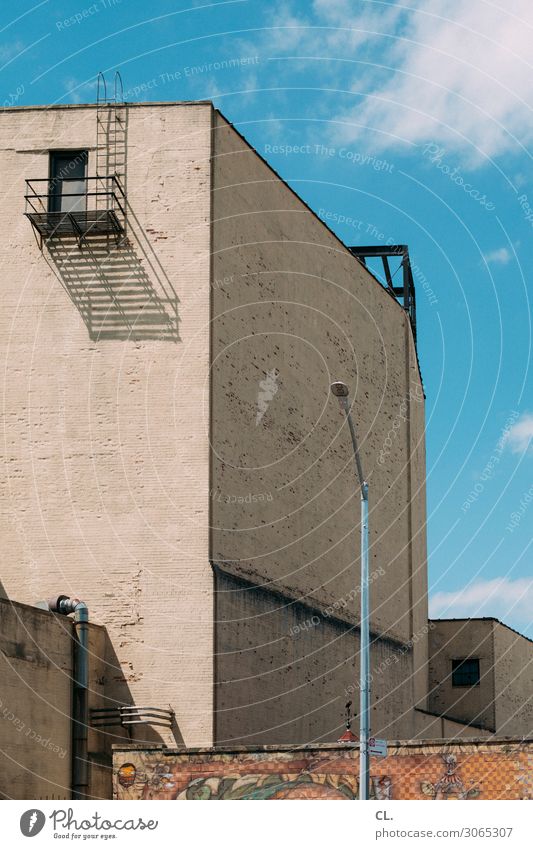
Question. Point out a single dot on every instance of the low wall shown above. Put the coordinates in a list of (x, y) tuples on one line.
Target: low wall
[(35, 697), (477, 769), (36, 671)]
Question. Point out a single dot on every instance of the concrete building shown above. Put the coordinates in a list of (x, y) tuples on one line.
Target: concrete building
[(36, 671), (172, 316), (481, 671)]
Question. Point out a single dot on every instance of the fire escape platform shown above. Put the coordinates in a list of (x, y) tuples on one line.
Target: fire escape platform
[(94, 222)]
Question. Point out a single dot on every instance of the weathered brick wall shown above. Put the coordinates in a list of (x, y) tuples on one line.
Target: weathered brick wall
[(431, 770), (105, 363)]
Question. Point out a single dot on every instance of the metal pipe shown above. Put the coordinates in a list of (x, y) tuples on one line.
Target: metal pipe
[(80, 717), (340, 390), (80, 702)]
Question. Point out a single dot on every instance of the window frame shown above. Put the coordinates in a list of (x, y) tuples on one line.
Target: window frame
[(457, 662), (55, 192)]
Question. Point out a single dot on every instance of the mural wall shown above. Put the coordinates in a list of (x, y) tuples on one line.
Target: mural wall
[(411, 770)]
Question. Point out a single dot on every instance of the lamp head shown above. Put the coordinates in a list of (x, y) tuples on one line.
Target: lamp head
[(339, 389)]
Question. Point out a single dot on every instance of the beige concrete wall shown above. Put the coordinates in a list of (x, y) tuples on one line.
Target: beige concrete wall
[(456, 639), (502, 701), (291, 306), (105, 406), (513, 682), (285, 672), (35, 699), (415, 514), (431, 727), (36, 671)]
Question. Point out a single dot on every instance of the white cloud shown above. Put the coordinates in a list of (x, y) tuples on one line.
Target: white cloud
[(520, 180), (8, 51), (288, 32), (427, 70), (520, 435), (78, 92), (505, 599), (500, 256), (462, 75)]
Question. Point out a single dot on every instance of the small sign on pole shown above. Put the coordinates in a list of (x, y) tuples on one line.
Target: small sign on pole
[(377, 748)]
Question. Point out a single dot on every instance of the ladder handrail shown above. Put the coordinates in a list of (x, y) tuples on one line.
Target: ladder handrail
[(110, 153), (101, 82), (118, 83), (118, 90)]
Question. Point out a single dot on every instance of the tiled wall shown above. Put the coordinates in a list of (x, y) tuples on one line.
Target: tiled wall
[(484, 770)]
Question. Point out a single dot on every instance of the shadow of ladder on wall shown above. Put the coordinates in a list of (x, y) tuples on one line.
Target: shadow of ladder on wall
[(112, 291)]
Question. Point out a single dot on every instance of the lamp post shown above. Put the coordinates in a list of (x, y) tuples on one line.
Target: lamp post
[(341, 391)]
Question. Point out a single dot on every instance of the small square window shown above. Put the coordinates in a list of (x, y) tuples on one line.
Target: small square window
[(465, 672)]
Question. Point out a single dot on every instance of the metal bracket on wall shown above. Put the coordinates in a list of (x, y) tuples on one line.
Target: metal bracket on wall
[(128, 715)]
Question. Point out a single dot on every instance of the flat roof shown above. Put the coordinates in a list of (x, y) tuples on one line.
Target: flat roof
[(47, 106), (482, 619)]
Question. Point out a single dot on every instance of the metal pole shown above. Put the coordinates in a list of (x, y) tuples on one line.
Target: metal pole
[(358, 466), (364, 677), (364, 629), (340, 390)]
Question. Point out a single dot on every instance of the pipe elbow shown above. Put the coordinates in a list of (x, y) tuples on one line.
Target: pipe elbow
[(81, 611)]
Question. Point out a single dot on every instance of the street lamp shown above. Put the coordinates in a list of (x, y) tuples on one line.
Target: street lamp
[(341, 391)]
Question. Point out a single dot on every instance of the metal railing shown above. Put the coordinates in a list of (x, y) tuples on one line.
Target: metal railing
[(101, 211), (405, 292)]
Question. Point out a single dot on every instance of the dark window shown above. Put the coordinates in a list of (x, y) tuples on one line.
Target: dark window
[(68, 186), (465, 672)]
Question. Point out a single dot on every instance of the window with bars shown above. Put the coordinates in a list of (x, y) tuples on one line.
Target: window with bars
[(465, 672)]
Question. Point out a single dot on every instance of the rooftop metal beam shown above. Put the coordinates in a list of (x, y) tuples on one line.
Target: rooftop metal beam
[(405, 294)]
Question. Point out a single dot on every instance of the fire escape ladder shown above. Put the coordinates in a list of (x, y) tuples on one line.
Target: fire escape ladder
[(111, 140)]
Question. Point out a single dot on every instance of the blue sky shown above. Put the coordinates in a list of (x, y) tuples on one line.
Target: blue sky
[(411, 123)]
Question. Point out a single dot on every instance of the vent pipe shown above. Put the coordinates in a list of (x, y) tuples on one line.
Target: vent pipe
[(80, 703)]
